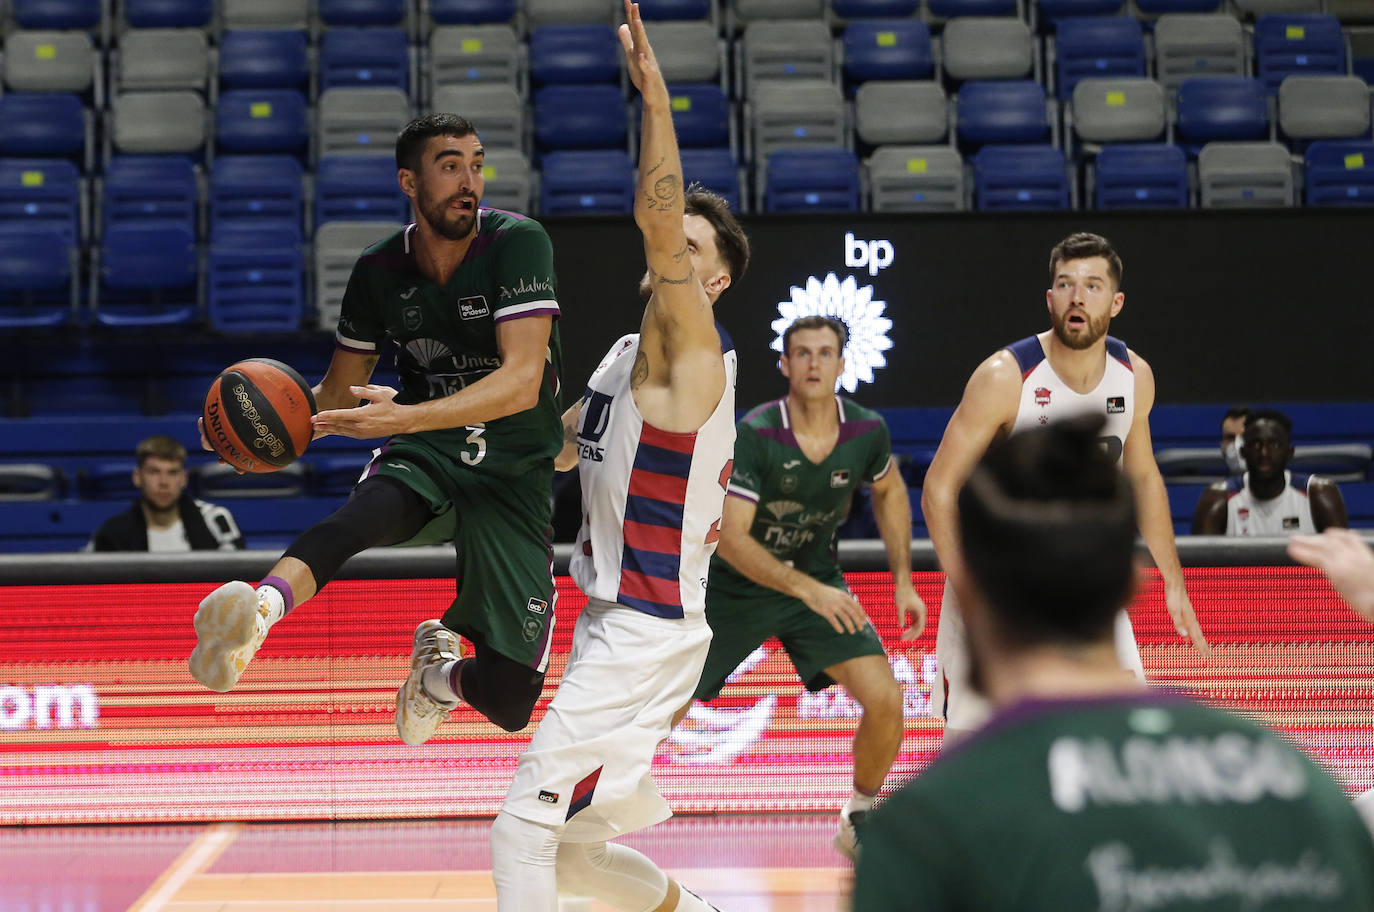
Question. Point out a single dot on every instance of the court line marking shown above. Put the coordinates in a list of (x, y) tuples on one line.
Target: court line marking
[(194, 858)]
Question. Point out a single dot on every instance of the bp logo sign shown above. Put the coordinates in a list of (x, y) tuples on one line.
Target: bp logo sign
[(854, 306)]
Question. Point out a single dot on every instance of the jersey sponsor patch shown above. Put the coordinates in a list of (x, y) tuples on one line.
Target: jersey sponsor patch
[(538, 606), (1116, 405), (531, 629), (1290, 522), (839, 478), (1042, 396), (411, 317), (548, 797), (471, 308)]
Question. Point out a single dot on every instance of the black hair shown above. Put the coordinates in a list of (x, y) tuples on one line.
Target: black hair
[(1235, 411), (1083, 245), (410, 142), (1273, 415), (1048, 527), (815, 321), (731, 242)]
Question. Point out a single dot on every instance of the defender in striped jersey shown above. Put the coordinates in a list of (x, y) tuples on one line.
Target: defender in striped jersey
[(467, 296), (798, 463), (652, 438)]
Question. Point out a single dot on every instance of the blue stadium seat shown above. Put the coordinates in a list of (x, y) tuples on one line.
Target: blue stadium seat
[(261, 120), (579, 117), (59, 15), (168, 13), (40, 125), (264, 59), (357, 188), (1292, 44), (887, 49), (254, 279), (1053, 11), (40, 195), (587, 183), (150, 190), (874, 9), (948, 9), (812, 180), (1001, 111), (257, 190), (362, 12), (37, 284), (1223, 108), (1340, 173), (716, 170), (701, 114), (148, 276), (1156, 7), (574, 54), (107, 480), (1096, 47), (674, 9), (464, 12), (364, 57), (1021, 178), (1141, 176)]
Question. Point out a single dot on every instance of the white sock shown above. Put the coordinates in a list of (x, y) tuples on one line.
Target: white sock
[(858, 801), (438, 682), (276, 605)]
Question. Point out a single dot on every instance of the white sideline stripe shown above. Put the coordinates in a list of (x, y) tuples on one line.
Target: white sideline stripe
[(197, 854)]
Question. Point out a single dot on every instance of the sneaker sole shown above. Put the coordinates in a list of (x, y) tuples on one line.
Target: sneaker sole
[(223, 625)]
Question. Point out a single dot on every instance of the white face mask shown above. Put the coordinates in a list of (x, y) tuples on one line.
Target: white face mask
[(1235, 463)]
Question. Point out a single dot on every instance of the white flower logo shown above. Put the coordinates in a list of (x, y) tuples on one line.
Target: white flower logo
[(853, 306)]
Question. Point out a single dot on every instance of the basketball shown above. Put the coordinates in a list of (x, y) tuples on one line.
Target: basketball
[(257, 415)]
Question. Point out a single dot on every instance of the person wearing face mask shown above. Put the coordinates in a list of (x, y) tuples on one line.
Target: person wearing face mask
[(1268, 499), (1232, 430)]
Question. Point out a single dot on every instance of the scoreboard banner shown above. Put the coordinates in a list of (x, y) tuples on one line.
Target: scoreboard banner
[(100, 721)]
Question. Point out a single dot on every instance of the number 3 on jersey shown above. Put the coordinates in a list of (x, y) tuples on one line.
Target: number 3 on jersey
[(475, 439)]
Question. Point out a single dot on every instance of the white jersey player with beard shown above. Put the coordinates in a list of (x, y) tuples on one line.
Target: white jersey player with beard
[(653, 438), (1070, 370)]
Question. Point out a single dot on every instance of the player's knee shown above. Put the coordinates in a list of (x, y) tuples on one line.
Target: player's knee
[(883, 701), (580, 867), (516, 842)]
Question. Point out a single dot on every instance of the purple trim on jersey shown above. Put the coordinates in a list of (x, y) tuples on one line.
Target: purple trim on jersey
[(1028, 353), (393, 261), (482, 243), (780, 434), (1117, 349), (851, 429), (542, 648), (554, 311), (357, 351), (760, 409), (376, 462), (515, 215)]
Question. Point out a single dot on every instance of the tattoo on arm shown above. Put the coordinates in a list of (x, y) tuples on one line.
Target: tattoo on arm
[(640, 372), (371, 363), (658, 165), (664, 280), (570, 432), (677, 257), (667, 193)]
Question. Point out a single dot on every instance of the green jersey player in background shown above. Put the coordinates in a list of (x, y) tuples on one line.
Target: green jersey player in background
[(798, 462), (467, 296), (1087, 790)]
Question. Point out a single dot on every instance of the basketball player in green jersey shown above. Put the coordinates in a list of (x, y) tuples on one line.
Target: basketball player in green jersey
[(1087, 790), (798, 461), (467, 296)]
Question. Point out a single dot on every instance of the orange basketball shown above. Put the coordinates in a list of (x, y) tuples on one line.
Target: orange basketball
[(257, 415)]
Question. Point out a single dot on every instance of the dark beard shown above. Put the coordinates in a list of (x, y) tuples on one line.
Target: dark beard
[(1096, 330), (448, 225)]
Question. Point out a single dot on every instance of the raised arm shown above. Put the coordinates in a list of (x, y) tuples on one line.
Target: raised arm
[(1152, 507), (987, 409), (678, 323)]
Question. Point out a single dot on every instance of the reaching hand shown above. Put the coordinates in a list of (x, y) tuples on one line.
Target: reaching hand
[(640, 61), (1345, 559), (909, 605), (381, 417), (1185, 621), (838, 607)]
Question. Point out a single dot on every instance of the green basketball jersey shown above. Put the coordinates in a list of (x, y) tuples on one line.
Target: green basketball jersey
[(445, 335), (1147, 802), (800, 503)]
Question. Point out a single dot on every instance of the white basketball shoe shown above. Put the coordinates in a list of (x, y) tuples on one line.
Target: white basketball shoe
[(418, 715), (231, 624)]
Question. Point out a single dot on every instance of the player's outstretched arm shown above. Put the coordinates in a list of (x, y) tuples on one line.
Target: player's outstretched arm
[(566, 460), (1347, 562), (987, 409), (1152, 508), (892, 510), (678, 320), (740, 550)]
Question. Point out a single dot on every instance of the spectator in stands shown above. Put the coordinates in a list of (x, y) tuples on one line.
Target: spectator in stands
[(1232, 430), (1089, 790), (1268, 499), (165, 517)]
